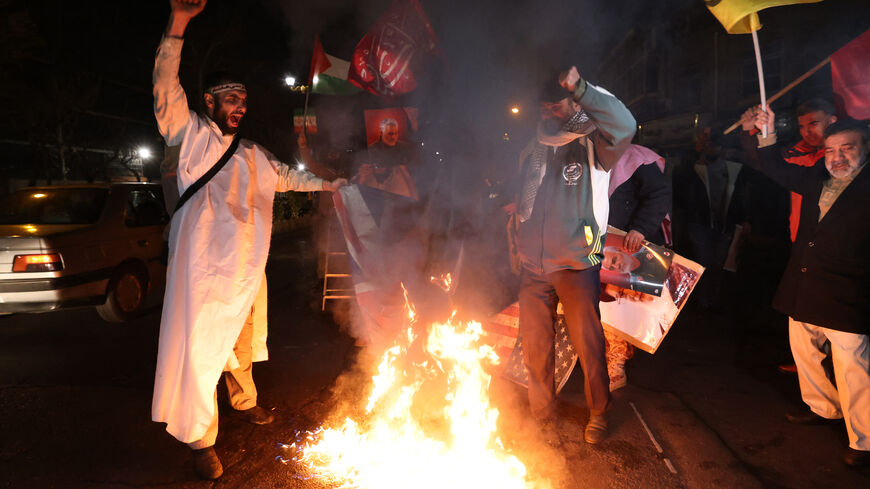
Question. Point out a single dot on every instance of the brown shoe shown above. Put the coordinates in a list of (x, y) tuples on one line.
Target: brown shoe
[(206, 464), (856, 458), (596, 429), (257, 415)]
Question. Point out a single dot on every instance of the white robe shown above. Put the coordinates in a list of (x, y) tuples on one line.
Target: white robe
[(218, 245)]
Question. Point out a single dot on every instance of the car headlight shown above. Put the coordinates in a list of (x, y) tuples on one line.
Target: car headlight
[(37, 263)]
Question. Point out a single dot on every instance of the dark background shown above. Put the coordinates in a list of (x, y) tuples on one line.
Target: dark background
[(75, 76)]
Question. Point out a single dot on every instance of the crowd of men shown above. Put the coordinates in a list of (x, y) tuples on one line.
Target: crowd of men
[(578, 174)]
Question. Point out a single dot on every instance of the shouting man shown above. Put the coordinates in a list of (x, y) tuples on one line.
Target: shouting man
[(218, 245)]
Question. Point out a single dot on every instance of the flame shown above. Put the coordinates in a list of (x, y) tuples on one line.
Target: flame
[(444, 281), (428, 421)]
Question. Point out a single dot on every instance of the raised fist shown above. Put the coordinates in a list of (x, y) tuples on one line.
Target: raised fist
[(568, 79), (187, 8)]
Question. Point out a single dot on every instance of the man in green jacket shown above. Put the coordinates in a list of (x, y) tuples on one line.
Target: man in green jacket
[(562, 209)]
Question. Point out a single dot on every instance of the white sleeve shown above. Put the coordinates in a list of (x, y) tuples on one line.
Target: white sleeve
[(293, 180), (170, 102)]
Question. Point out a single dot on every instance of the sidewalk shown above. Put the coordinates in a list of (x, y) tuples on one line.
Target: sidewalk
[(717, 379)]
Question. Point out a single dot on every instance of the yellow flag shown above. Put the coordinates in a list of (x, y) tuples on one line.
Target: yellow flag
[(741, 16)]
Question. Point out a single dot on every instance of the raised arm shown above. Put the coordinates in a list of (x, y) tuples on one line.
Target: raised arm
[(616, 125), (798, 179), (170, 102)]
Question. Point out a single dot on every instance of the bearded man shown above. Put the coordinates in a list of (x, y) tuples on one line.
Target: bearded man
[(389, 161), (825, 291), (562, 209), (218, 245)]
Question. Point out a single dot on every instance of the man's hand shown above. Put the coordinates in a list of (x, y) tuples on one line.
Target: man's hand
[(510, 209), (187, 8), (747, 120), (334, 185), (569, 79), (632, 241), (182, 12), (765, 119)]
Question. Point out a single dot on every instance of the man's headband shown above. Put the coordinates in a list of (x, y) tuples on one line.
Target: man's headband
[(226, 87)]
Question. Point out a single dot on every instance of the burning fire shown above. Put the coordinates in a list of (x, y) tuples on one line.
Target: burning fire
[(444, 281), (428, 421)]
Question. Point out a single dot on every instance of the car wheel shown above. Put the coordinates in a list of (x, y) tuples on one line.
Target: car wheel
[(125, 295)]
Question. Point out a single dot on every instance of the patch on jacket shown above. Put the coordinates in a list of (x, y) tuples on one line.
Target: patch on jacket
[(571, 172)]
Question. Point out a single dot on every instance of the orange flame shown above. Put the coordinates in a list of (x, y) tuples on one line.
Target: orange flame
[(429, 422), (445, 281)]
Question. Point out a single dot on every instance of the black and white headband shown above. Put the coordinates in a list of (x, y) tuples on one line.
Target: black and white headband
[(226, 87)]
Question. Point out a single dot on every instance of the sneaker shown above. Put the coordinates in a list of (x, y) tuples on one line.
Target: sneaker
[(596, 429), (257, 415), (618, 378), (206, 464)]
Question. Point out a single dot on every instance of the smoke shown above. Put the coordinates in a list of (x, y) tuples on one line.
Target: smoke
[(497, 54)]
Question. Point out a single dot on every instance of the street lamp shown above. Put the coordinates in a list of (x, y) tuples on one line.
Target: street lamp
[(144, 153), (515, 110), (290, 81)]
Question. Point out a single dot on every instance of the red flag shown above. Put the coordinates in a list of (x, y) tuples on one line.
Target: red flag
[(850, 73), (385, 60)]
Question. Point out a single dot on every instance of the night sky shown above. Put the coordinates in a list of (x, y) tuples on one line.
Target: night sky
[(84, 68)]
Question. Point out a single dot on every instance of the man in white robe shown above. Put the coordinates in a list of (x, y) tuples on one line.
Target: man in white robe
[(218, 245)]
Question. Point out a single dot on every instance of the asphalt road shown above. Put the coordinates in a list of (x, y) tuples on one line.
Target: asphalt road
[(706, 411)]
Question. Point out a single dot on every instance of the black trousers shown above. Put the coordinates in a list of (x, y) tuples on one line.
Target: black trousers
[(579, 292)]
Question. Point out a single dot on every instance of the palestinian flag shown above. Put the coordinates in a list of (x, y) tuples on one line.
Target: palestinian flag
[(328, 73), (741, 16)]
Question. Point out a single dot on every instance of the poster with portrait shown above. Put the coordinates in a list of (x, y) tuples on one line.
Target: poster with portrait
[(642, 271), (405, 117), (644, 319)]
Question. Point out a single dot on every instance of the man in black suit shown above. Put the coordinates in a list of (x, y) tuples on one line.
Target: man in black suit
[(826, 287)]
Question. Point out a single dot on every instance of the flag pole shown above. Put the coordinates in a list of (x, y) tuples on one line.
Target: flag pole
[(787, 88), (760, 78), (305, 112)]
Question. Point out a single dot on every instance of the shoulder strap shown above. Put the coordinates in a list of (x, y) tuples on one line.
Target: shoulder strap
[(201, 181)]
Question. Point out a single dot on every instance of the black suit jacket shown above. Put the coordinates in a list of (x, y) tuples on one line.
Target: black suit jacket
[(827, 280)]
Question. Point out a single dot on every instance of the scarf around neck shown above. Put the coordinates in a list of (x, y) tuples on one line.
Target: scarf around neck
[(577, 126)]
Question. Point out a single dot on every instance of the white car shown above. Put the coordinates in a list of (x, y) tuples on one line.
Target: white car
[(80, 245)]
